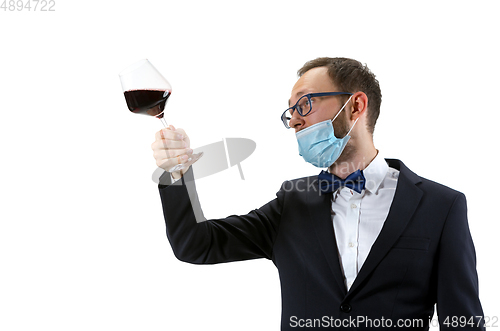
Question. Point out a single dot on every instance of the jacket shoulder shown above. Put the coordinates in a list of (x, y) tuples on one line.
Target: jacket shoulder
[(300, 184), (426, 185)]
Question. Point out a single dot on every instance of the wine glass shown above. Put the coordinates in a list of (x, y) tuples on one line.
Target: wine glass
[(146, 92)]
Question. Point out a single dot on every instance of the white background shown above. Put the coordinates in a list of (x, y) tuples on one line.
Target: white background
[(82, 237)]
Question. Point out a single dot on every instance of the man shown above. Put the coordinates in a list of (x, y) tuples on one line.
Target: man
[(366, 245)]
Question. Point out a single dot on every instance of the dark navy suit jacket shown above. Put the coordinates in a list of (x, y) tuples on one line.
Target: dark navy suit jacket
[(424, 254)]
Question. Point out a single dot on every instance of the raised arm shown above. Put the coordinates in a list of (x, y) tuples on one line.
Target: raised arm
[(197, 240)]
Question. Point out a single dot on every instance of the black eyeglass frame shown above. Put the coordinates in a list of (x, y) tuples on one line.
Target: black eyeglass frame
[(308, 96)]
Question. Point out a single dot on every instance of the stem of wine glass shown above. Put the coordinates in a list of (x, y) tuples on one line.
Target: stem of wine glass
[(164, 121)]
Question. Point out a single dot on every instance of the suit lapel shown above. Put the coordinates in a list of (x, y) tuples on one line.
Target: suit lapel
[(320, 212), (404, 205)]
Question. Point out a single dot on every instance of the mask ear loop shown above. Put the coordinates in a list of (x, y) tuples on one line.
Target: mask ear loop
[(352, 126), (343, 109)]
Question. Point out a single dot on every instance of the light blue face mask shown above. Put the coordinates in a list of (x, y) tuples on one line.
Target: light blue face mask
[(318, 144)]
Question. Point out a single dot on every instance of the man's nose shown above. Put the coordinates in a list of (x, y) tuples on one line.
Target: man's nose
[(297, 121)]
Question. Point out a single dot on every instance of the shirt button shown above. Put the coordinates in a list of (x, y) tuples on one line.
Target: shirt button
[(345, 308), (351, 244), (354, 206)]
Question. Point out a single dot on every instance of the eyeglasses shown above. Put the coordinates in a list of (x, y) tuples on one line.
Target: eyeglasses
[(304, 105)]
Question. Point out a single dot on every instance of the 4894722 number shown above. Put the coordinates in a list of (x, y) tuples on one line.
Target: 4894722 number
[(473, 321), (28, 5)]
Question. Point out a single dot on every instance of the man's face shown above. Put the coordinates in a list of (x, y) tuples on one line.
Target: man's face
[(317, 80)]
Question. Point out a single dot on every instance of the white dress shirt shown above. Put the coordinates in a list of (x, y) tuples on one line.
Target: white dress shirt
[(359, 217)]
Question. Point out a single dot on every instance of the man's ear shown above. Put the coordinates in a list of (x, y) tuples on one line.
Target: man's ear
[(359, 103)]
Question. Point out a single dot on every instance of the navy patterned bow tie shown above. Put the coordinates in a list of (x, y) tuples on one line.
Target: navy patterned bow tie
[(329, 183)]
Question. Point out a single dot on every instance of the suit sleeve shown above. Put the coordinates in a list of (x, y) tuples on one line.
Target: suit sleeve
[(197, 240), (458, 304)]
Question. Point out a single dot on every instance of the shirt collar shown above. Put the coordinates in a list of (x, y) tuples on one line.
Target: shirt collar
[(375, 173)]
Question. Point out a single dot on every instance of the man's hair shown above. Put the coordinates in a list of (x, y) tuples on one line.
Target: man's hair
[(351, 76)]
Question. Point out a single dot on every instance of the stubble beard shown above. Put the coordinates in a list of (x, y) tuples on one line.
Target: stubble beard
[(341, 127)]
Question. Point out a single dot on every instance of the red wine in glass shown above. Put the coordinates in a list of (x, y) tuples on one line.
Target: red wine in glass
[(146, 92), (147, 102)]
